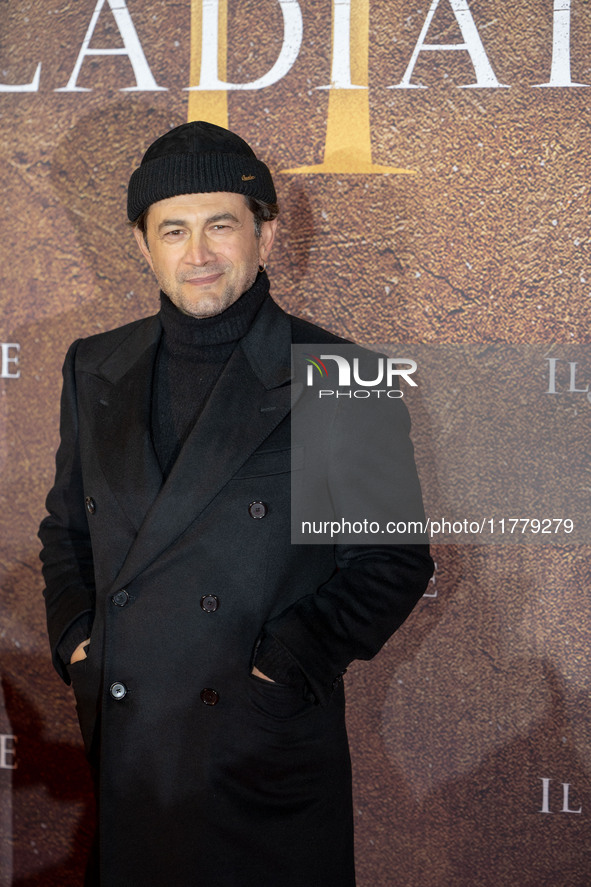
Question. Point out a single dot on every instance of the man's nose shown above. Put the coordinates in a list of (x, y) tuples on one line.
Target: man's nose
[(199, 251)]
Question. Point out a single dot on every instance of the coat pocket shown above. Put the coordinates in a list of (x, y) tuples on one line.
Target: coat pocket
[(268, 462), (85, 694), (278, 701)]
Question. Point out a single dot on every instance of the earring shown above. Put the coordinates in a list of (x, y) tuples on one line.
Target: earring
[(262, 267)]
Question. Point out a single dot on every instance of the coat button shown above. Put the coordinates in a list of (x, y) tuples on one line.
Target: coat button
[(209, 696), (209, 603), (257, 510), (118, 690), (90, 505), (120, 598)]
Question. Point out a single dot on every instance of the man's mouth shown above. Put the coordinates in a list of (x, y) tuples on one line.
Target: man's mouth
[(204, 281)]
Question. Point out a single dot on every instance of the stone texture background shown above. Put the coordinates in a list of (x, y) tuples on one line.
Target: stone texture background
[(485, 691)]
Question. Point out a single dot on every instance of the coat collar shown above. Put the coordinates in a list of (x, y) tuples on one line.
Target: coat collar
[(143, 337), (266, 346)]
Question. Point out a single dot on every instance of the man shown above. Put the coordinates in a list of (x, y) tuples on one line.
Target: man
[(206, 651)]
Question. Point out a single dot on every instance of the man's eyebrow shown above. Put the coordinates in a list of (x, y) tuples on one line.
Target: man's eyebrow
[(168, 223), (218, 217), (223, 217)]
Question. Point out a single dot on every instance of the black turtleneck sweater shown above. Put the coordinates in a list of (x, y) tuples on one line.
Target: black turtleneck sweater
[(192, 354)]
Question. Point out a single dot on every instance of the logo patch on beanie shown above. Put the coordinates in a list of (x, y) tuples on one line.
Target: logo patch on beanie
[(248, 178)]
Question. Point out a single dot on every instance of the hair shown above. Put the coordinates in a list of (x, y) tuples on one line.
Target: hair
[(262, 212), (140, 223)]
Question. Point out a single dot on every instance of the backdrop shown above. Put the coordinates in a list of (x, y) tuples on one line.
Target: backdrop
[(430, 162)]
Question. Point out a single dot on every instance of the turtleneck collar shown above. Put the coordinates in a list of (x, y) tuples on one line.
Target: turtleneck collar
[(229, 326)]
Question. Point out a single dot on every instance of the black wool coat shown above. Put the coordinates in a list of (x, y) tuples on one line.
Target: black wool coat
[(208, 776)]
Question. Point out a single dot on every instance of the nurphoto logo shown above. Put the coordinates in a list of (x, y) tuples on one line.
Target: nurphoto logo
[(344, 372)]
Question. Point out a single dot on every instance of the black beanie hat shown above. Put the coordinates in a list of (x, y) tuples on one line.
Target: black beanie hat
[(195, 158)]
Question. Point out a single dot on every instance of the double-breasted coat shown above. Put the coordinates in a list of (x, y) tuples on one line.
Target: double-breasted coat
[(208, 776)]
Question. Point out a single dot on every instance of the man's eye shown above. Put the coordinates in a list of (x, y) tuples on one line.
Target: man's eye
[(176, 232)]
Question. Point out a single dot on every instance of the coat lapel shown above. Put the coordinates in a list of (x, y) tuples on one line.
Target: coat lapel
[(249, 400), (120, 399)]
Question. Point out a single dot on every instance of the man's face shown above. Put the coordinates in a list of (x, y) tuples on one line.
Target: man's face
[(204, 250)]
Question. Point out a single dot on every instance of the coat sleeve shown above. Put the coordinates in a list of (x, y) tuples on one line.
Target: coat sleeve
[(66, 555), (374, 586)]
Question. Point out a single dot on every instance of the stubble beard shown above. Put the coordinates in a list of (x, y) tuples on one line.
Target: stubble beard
[(207, 304)]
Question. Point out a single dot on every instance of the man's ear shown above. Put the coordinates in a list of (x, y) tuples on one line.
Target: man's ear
[(267, 236), (141, 242)]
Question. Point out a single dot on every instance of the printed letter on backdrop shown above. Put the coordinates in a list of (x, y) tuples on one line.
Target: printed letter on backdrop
[(485, 76), (131, 48)]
